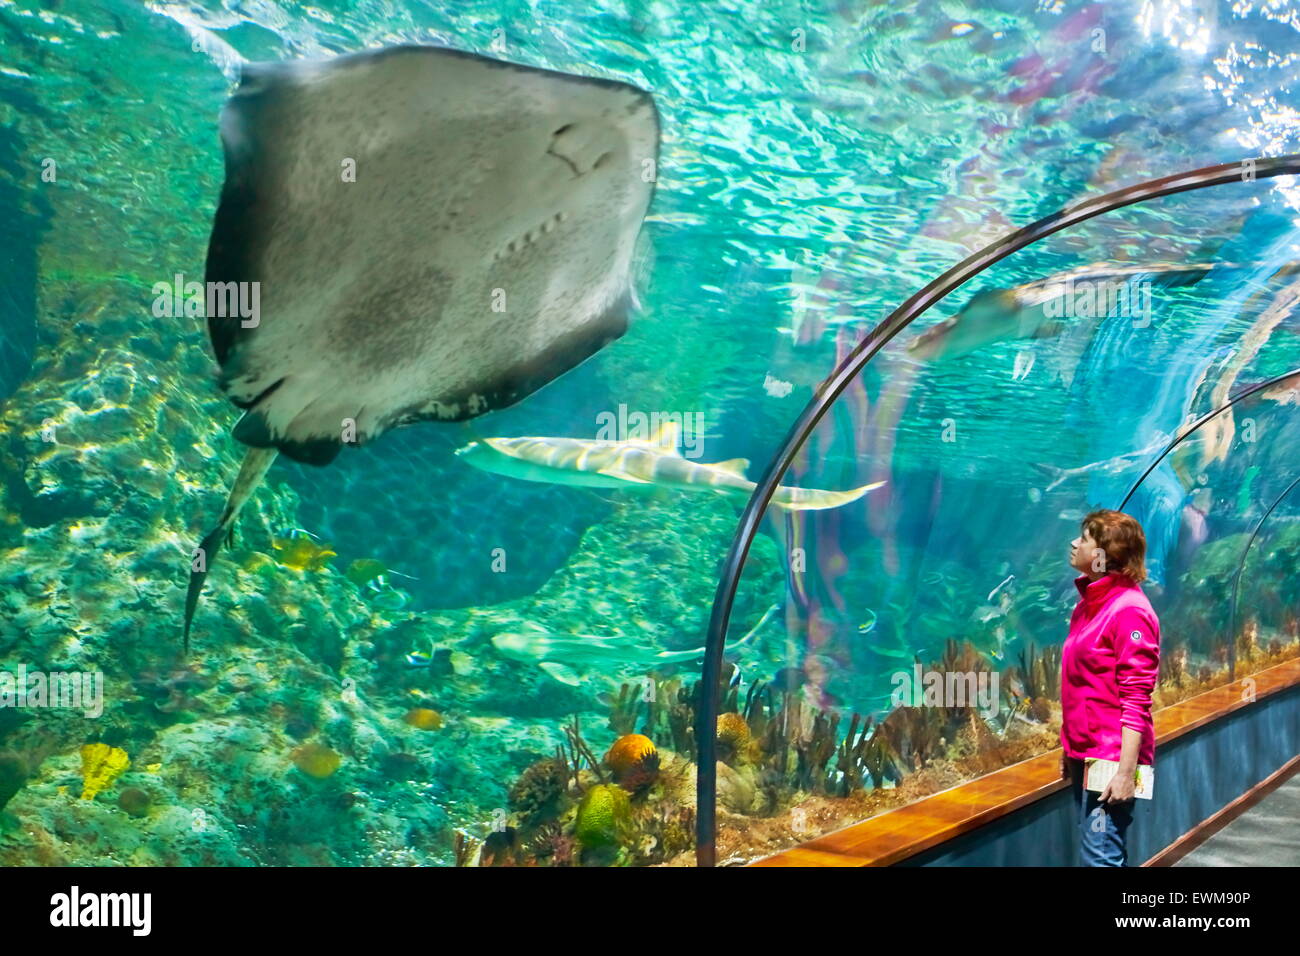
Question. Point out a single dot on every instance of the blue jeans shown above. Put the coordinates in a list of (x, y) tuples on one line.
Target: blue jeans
[(1102, 827)]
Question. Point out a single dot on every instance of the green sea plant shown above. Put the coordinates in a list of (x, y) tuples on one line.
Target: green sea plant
[(863, 753), (669, 713), (623, 709), (1040, 671), (916, 734), (1200, 616), (814, 750), (462, 848)]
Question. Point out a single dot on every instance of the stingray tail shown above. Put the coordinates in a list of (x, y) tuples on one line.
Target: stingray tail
[(251, 473), (814, 499)]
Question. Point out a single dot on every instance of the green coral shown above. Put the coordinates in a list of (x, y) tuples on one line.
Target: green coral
[(604, 817)]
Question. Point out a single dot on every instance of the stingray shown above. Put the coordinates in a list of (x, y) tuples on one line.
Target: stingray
[(413, 234)]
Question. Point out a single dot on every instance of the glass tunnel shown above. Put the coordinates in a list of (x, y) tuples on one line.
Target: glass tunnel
[(1177, 407), (657, 595)]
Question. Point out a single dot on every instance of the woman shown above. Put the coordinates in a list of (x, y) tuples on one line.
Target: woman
[(1108, 669)]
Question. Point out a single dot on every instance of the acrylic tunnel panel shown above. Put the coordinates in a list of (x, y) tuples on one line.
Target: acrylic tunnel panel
[(1265, 605), (922, 622), (1228, 609)]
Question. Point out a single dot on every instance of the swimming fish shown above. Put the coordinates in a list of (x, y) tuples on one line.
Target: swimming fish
[(413, 234), (364, 570), (868, 625), (372, 573), (643, 463), (419, 659), (302, 553), (385, 597), (1024, 312), (558, 654)]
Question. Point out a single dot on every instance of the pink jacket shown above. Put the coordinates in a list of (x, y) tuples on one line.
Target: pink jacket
[(1108, 669)]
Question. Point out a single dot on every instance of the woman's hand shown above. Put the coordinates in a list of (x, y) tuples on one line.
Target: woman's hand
[(1120, 788)]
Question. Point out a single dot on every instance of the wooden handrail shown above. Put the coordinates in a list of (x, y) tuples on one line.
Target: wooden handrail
[(895, 835)]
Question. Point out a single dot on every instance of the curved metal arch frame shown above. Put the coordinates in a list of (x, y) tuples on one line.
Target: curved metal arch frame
[(852, 364), (1236, 581)]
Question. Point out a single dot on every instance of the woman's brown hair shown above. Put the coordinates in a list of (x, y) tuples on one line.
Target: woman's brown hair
[(1123, 540)]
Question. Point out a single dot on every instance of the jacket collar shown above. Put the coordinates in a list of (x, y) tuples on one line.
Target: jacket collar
[(1095, 592)]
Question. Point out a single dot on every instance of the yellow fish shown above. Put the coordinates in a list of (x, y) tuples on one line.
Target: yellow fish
[(316, 760), (423, 718), (303, 554)]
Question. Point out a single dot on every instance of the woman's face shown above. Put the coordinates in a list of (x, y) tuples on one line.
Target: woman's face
[(1084, 552)]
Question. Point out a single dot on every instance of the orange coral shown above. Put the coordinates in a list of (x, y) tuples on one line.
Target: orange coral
[(733, 736), (634, 761)]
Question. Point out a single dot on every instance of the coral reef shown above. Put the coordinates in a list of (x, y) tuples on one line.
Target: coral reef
[(100, 766), (92, 573), (787, 771), (604, 817), (633, 761)]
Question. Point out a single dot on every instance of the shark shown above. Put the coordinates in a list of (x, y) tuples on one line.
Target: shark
[(557, 655), (652, 462), (412, 234)]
